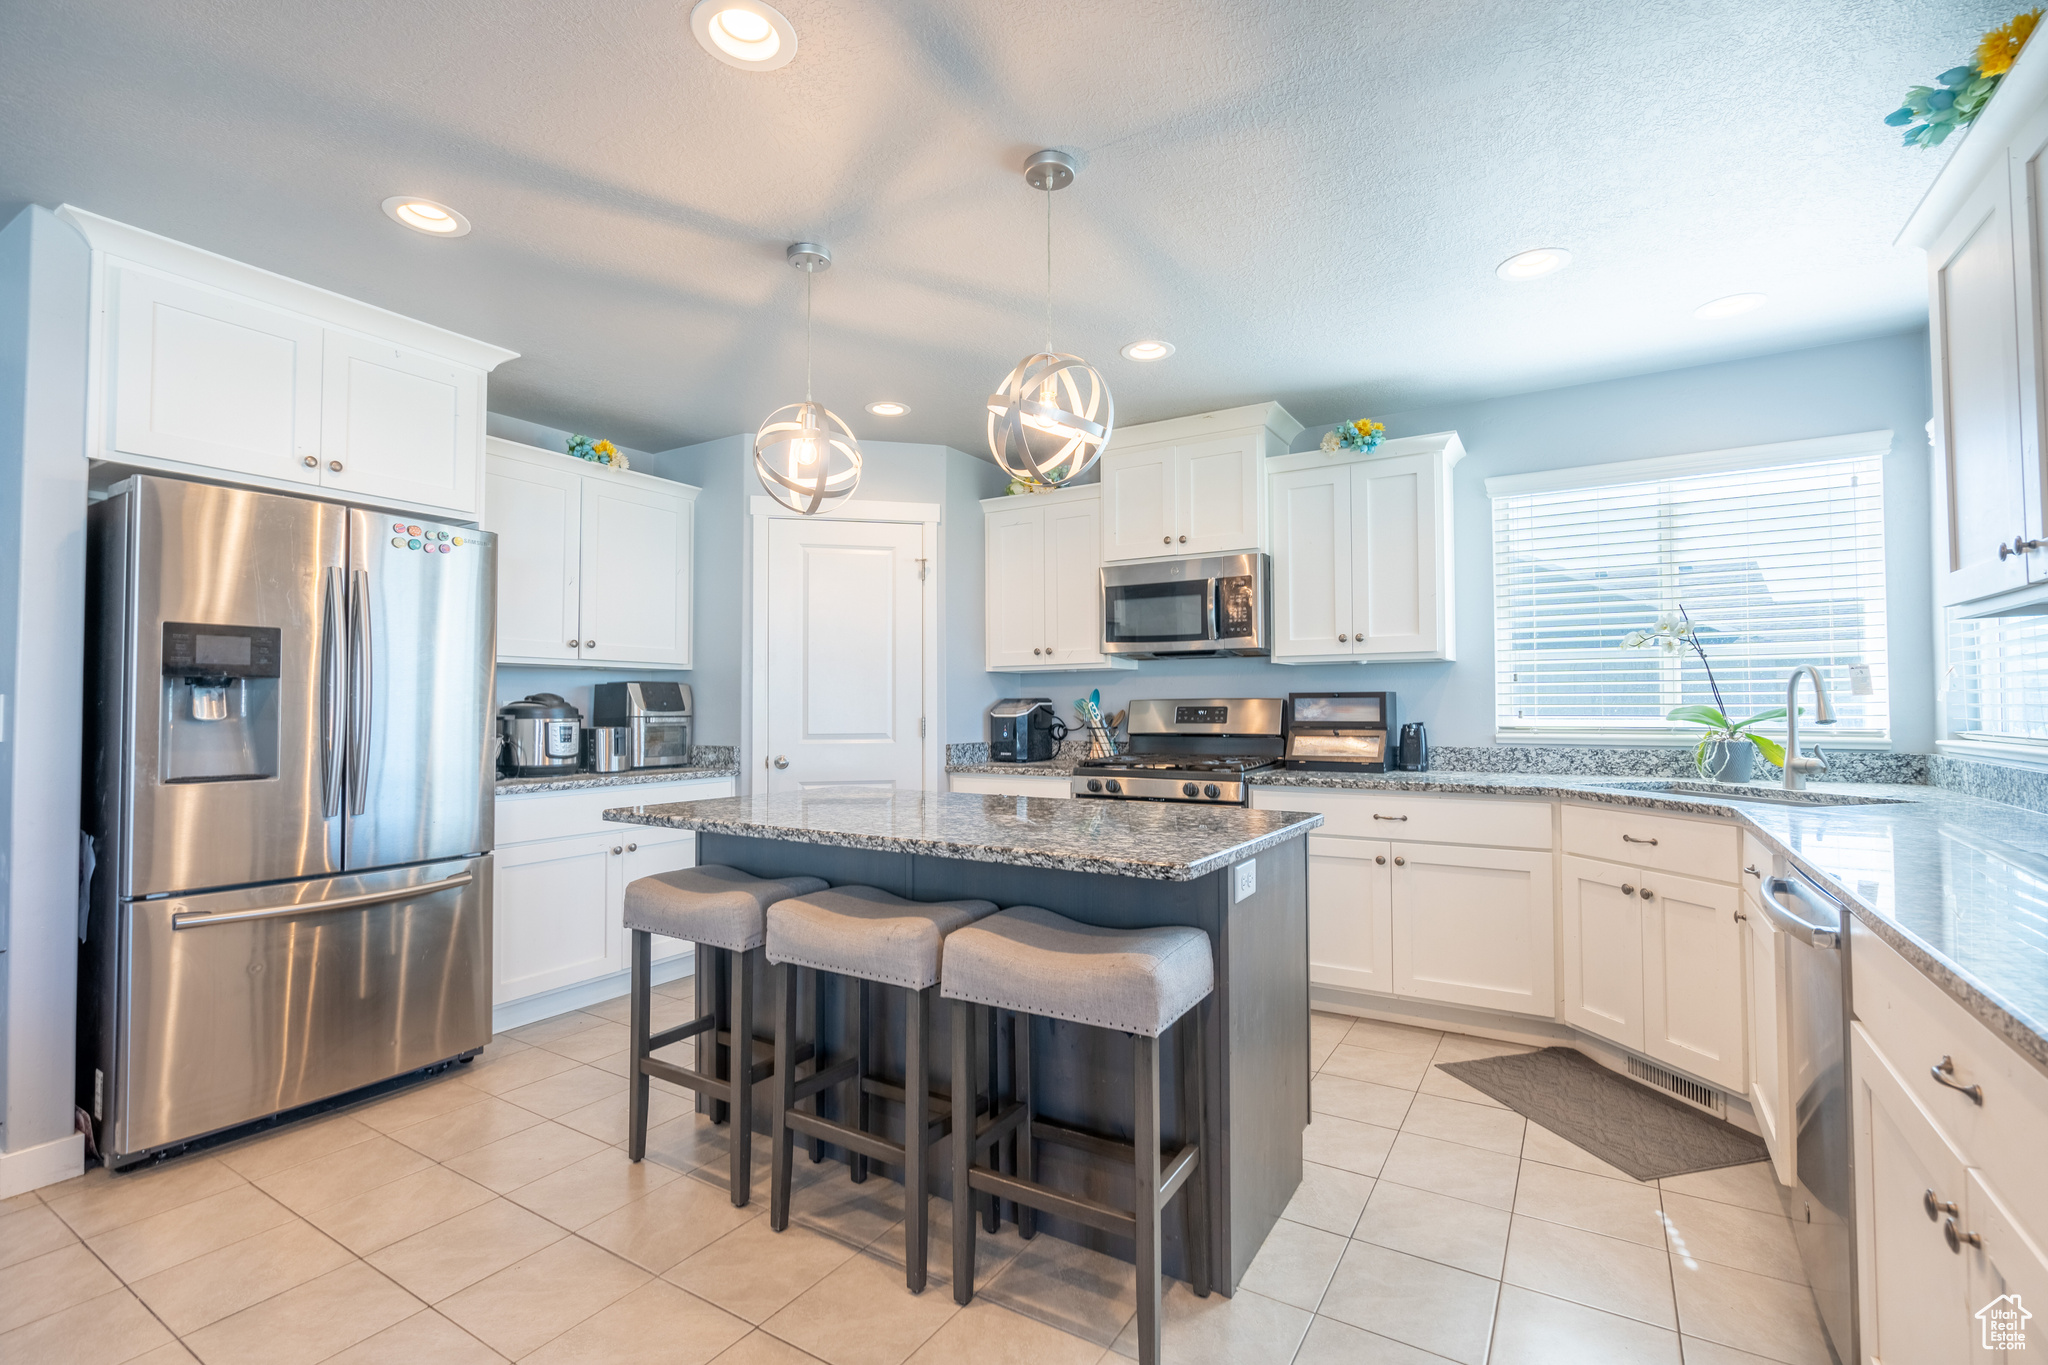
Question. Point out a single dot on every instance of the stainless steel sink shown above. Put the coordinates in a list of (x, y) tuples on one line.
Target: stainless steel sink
[(1734, 791)]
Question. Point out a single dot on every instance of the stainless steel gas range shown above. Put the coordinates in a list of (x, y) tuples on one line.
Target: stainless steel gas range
[(1201, 750)]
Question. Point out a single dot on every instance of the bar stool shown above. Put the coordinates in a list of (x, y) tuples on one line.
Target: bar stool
[(1136, 981), (718, 908), (874, 937)]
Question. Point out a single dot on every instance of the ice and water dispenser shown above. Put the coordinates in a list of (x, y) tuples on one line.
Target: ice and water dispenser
[(220, 704)]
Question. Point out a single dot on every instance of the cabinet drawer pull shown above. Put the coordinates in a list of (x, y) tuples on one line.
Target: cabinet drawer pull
[(1631, 839), (1936, 1207), (1945, 1072), (1399, 861), (1390, 817), (1628, 888), (1381, 859), (1957, 1238)]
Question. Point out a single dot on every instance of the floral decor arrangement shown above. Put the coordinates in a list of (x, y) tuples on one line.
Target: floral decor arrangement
[(1932, 112), (1720, 755), (1362, 434), (597, 452)]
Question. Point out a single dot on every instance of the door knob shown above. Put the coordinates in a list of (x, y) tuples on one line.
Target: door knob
[(781, 762), (334, 465), (310, 463)]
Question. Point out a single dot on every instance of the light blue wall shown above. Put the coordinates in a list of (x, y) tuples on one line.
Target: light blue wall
[(1858, 386), (44, 269)]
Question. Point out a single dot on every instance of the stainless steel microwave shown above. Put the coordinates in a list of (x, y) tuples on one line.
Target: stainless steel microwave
[(1183, 608)]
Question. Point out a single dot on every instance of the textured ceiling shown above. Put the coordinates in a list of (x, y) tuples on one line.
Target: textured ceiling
[(1308, 199)]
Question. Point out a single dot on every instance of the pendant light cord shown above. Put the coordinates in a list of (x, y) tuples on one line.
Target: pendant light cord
[(1048, 270), (810, 278)]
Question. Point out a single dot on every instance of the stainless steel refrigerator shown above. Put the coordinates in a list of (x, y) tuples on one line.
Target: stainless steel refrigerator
[(290, 760)]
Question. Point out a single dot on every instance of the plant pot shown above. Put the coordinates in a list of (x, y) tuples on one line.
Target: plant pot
[(1727, 760)]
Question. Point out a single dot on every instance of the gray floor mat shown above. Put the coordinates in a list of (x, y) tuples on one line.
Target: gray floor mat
[(1624, 1124)]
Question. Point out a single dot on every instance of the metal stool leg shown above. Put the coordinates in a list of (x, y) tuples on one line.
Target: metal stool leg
[(963, 1154), (992, 1211), (780, 1148), (640, 1027), (1027, 1156), (917, 1116), (817, 1032), (1195, 1193), (1145, 1140), (859, 1164)]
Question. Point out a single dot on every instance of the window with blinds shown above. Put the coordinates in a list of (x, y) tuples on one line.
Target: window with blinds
[(1997, 681), (1777, 564)]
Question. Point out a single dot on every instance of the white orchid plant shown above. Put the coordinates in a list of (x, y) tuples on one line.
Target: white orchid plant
[(1673, 634)]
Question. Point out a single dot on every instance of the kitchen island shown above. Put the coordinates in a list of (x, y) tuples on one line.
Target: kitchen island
[(1240, 875)]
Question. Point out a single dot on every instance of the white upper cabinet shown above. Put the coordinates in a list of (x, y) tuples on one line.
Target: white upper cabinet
[(399, 423), (207, 367), (1044, 582), (1362, 553), (206, 378), (1984, 224), (595, 565), (1191, 485)]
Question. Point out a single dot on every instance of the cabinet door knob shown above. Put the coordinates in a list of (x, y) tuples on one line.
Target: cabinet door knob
[(1035, 651), (1935, 1206), (2020, 545), (1381, 859), (334, 465), (310, 463), (1740, 917), (590, 644), (632, 848), (1945, 1072), (572, 644), (1342, 637), (615, 849), (1399, 861), (1647, 894), (1183, 540), (1168, 540), (1628, 888), (1956, 1238), (1751, 870)]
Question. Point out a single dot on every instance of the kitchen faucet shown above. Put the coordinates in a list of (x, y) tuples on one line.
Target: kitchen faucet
[(1796, 768)]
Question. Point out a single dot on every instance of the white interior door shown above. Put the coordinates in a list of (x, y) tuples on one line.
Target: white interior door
[(845, 657)]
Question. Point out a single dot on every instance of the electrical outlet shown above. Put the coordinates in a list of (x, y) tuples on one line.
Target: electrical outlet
[(1247, 874), (1859, 680)]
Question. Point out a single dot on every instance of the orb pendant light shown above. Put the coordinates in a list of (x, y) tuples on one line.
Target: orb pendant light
[(1052, 415), (807, 458)]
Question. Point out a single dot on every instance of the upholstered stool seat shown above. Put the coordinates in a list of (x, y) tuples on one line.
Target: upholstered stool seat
[(1139, 982), (1036, 962), (879, 940), (715, 906), (723, 911)]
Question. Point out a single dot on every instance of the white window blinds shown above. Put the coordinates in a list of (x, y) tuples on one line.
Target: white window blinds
[(1997, 681), (1778, 564)]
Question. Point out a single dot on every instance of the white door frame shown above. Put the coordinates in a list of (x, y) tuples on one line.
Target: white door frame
[(754, 655)]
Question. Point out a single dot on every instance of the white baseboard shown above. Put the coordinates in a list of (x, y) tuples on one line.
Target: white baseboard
[(45, 1164), (533, 1008)]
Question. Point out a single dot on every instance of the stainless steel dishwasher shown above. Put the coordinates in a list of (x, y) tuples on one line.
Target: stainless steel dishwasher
[(1821, 1204)]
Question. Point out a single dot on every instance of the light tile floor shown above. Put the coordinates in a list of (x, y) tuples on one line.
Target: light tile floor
[(491, 1214)]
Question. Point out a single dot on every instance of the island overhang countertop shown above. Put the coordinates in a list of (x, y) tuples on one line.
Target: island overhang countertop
[(1158, 841)]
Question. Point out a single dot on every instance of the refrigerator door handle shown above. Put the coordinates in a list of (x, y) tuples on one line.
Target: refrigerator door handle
[(360, 717), (186, 919), (333, 694)]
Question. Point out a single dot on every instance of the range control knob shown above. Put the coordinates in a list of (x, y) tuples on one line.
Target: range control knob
[(1190, 789), (1114, 786), (1095, 784), (1212, 791)]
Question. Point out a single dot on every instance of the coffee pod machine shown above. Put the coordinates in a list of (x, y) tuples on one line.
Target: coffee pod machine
[(1340, 732)]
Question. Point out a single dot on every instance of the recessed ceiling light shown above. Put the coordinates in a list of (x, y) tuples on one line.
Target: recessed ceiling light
[(1148, 350), (1729, 307), (744, 33), (888, 409), (1527, 265), (424, 215)]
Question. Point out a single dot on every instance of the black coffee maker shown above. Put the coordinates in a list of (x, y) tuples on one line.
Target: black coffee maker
[(1023, 730)]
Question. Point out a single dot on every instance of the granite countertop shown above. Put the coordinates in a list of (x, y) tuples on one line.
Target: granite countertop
[(1158, 841), (1063, 766), (563, 782)]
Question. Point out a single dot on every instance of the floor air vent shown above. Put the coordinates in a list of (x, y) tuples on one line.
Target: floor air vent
[(1691, 1091)]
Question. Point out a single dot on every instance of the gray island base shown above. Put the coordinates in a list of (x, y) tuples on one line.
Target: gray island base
[(1119, 864)]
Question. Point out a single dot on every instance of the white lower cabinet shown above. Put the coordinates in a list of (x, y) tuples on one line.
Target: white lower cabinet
[(1654, 960), (1472, 926), (1350, 923), (559, 914)]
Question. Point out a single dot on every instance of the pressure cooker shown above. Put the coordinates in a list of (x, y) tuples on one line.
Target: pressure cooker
[(540, 735)]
